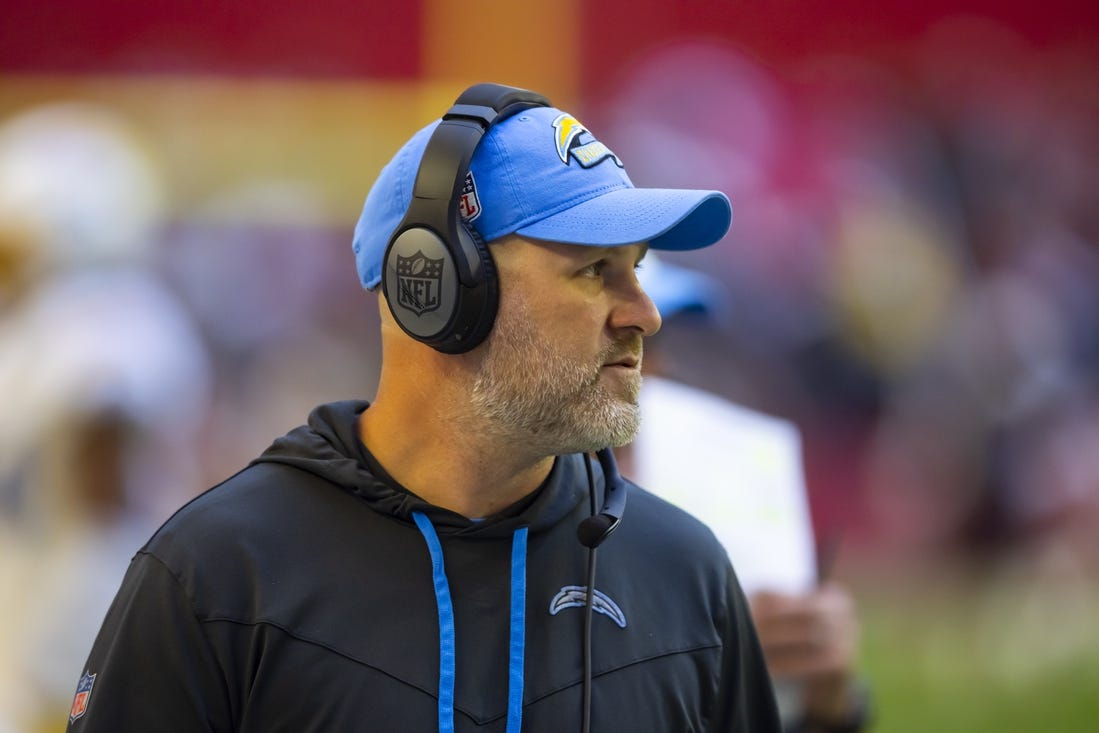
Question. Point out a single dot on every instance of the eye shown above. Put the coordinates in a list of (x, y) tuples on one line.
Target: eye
[(595, 269)]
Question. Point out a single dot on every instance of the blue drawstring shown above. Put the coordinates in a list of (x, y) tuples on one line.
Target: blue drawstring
[(446, 623), (518, 629), (517, 645)]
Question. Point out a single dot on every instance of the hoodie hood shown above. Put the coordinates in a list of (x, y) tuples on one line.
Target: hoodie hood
[(328, 446)]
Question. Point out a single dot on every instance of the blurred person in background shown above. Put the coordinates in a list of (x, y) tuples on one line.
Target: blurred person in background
[(104, 378), (370, 570), (913, 270), (740, 471)]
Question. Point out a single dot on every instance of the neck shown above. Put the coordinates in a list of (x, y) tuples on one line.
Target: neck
[(624, 457), (429, 443)]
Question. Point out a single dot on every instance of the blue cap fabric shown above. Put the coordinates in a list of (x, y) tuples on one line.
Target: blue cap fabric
[(541, 174)]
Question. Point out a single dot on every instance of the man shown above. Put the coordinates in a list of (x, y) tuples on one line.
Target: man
[(741, 472), (414, 564)]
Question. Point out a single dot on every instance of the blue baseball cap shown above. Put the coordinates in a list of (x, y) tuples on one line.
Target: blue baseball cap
[(541, 174)]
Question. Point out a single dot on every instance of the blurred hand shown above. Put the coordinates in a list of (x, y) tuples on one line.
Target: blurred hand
[(813, 639)]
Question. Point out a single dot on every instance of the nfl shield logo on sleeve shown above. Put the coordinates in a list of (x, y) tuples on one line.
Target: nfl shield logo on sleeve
[(83, 694)]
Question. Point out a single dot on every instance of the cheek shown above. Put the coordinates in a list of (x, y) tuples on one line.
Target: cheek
[(567, 323), (574, 331)]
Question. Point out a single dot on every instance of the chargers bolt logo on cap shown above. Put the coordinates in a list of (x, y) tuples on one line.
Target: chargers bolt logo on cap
[(567, 130)]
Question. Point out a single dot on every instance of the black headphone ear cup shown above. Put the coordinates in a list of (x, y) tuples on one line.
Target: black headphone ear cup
[(425, 293), (478, 305)]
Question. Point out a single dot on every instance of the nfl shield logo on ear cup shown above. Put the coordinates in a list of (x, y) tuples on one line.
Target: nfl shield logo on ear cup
[(419, 282)]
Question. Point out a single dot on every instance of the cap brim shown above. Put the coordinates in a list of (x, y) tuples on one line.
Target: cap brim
[(670, 219)]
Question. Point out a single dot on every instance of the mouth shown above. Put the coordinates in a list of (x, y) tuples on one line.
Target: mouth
[(624, 362), (623, 355)]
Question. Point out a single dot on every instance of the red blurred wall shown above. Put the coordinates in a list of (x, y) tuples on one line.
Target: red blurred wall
[(345, 38)]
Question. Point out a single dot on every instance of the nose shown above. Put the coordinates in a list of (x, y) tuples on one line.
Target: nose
[(636, 310)]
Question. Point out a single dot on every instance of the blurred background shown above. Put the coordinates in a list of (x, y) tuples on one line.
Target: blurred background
[(913, 275)]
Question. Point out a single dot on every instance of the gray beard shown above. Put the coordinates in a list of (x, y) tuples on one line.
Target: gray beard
[(528, 391)]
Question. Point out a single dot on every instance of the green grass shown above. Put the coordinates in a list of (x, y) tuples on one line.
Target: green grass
[(1008, 653)]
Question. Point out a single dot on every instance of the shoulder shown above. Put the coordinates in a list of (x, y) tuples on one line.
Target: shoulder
[(264, 526), (668, 529), (257, 498), (671, 564)]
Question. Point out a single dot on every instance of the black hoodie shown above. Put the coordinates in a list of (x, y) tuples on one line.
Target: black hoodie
[(302, 595)]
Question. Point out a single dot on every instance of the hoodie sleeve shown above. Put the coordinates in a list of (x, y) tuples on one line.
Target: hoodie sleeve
[(747, 701), (151, 666)]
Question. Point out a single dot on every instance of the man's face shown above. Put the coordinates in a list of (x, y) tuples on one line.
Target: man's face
[(561, 369)]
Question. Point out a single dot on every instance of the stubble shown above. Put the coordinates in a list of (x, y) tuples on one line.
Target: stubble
[(528, 389)]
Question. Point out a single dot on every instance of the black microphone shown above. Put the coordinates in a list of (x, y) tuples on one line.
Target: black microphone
[(598, 527)]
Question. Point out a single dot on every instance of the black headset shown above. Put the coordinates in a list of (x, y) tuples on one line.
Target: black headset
[(438, 277)]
